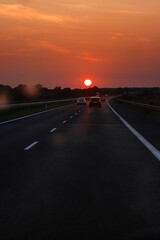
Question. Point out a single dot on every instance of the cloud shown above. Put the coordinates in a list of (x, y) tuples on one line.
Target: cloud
[(33, 46), (127, 12), (50, 46), (21, 12), (23, 1), (144, 39), (78, 6), (95, 60), (118, 34), (101, 8), (113, 37)]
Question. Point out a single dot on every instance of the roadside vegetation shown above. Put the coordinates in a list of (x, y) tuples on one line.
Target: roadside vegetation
[(8, 114), (147, 96)]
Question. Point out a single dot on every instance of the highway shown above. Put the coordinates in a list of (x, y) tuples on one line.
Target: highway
[(79, 173)]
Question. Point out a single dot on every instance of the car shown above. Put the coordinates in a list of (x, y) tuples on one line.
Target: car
[(81, 101), (95, 101)]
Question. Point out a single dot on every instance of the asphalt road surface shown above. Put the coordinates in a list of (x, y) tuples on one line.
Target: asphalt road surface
[(79, 173)]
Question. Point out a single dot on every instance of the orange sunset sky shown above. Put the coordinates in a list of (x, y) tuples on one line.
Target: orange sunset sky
[(116, 43)]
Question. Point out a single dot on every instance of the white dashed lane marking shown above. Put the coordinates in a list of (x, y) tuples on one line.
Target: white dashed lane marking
[(54, 129), (30, 146)]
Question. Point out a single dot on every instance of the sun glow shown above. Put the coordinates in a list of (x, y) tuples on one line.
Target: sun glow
[(87, 82)]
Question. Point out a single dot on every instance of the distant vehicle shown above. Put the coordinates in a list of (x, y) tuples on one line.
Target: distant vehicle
[(103, 99), (81, 101), (95, 101)]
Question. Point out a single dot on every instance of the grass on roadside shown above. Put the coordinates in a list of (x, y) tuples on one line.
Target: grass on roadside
[(8, 114), (151, 112)]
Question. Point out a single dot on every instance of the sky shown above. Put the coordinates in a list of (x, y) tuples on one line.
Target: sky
[(116, 43)]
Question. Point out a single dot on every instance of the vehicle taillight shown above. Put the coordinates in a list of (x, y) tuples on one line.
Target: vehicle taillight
[(99, 100)]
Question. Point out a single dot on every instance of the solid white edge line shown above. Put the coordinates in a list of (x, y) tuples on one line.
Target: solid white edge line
[(71, 116), (64, 121), (147, 144), (34, 114), (30, 146), (54, 129)]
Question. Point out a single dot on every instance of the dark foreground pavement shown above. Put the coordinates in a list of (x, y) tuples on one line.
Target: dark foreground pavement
[(89, 179)]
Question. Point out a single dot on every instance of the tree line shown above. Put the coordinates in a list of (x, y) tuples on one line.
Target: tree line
[(25, 93)]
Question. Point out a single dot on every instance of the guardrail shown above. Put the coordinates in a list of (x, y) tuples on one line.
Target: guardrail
[(20, 105), (140, 104)]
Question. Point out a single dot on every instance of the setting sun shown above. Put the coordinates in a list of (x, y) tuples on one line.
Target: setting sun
[(87, 82)]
